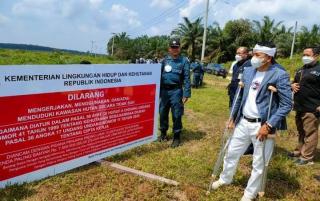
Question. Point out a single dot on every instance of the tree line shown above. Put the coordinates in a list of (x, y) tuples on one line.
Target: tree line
[(221, 42)]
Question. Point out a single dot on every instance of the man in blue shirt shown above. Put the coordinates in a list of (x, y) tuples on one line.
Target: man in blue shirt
[(175, 91)]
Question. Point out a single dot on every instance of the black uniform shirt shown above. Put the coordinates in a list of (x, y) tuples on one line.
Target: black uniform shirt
[(307, 99)]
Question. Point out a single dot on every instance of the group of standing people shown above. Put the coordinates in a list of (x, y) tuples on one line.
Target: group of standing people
[(255, 114)]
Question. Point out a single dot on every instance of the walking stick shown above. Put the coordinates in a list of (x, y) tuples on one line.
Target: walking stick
[(271, 138), (225, 140)]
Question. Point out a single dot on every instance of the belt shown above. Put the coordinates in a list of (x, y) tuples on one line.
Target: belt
[(252, 120), (171, 86)]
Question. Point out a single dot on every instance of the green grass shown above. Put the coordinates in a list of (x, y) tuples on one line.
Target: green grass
[(16, 57), (190, 164)]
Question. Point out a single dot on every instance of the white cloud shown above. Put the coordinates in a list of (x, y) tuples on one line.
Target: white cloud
[(305, 11), (192, 7), (163, 28), (121, 18), (34, 7), (161, 3), (55, 8), (96, 3), (82, 13), (3, 19)]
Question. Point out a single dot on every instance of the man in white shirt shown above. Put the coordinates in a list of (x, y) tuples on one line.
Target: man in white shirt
[(250, 117)]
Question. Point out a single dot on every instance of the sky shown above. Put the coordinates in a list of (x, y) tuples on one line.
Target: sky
[(74, 24)]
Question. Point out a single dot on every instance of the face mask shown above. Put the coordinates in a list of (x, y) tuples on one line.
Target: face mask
[(256, 62), (238, 57), (307, 60)]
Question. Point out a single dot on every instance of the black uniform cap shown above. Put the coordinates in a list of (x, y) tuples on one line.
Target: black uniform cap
[(174, 42)]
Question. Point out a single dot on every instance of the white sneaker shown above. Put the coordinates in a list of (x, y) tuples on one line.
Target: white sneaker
[(215, 185), (244, 198)]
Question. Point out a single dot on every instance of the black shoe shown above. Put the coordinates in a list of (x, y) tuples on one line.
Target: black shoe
[(301, 162), (317, 177), (293, 155), (176, 140), (163, 137)]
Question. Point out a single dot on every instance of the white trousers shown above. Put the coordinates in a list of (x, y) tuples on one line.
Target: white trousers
[(245, 133)]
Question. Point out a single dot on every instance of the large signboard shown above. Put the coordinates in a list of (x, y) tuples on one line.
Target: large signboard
[(59, 117)]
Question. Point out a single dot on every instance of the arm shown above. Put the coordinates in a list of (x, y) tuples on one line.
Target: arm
[(237, 102), (285, 100), (295, 84), (296, 77)]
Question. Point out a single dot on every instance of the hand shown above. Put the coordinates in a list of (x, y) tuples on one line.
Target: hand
[(295, 87), (263, 132), (318, 109), (230, 124), (184, 100)]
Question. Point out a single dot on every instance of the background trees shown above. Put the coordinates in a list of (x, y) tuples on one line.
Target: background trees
[(221, 41)]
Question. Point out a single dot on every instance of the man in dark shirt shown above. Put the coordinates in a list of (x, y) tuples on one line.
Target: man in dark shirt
[(243, 60), (306, 89)]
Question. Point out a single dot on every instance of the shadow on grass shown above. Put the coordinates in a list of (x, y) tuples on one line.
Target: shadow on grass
[(282, 176), (281, 179), (186, 136), (16, 193)]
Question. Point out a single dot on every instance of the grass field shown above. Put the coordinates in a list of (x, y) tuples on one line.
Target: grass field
[(17, 57), (190, 164)]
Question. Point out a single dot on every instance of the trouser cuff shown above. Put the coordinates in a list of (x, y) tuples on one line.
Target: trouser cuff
[(249, 195)]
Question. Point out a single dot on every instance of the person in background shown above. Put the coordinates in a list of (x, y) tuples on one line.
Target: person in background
[(306, 89), (196, 68), (242, 61), (202, 74)]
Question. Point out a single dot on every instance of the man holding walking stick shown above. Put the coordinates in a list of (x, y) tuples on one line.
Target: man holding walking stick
[(250, 117)]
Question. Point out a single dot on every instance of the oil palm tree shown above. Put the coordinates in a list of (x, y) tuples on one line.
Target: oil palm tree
[(268, 29), (191, 35)]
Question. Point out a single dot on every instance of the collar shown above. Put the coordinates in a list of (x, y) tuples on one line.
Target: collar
[(311, 65)]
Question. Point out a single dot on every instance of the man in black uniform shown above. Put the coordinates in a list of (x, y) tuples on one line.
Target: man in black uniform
[(306, 88)]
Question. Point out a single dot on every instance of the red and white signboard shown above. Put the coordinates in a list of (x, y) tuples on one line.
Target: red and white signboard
[(59, 117)]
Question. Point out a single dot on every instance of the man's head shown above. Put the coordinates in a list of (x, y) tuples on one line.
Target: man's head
[(174, 47), (310, 55), (263, 54), (242, 53)]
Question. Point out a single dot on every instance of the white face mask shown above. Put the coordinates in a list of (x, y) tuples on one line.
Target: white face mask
[(238, 57), (256, 62), (307, 60)]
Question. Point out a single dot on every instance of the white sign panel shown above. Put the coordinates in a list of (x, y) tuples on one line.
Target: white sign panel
[(58, 117)]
